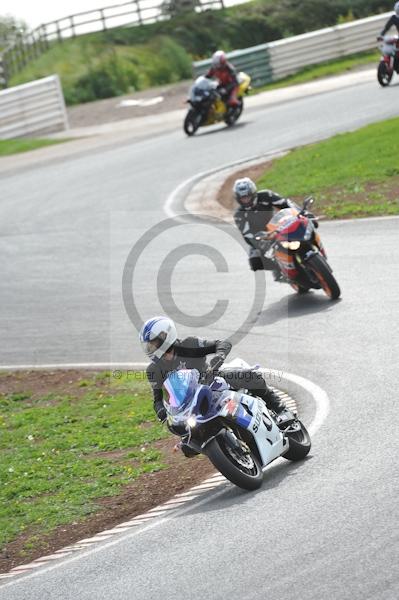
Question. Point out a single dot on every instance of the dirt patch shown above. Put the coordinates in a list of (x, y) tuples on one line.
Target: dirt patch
[(37, 384), (110, 110), (225, 195), (147, 491)]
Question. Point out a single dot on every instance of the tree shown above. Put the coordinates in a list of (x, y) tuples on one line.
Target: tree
[(10, 29)]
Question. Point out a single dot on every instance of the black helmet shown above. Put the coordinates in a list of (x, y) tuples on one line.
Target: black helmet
[(245, 192)]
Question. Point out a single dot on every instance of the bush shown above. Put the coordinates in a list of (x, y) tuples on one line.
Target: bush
[(112, 76)]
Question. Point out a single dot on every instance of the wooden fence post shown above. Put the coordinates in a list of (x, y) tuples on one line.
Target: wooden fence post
[(72, 26), (140, 19), (102, 16), (59, 34), (46, 42)]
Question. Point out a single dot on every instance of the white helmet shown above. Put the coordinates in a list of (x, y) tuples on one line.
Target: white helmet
[(396, 8), (156, 336), (218, 59)]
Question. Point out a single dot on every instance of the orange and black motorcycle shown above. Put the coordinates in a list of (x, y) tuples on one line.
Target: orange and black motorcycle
[(295, 245)]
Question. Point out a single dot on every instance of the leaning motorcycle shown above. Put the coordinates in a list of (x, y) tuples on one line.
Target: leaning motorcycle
[(208, 105), (389, 62), (235, 430), (297, 248)]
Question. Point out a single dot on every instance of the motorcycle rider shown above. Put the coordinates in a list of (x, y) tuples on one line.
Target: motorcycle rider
[(225, 73), (393, 21), (252, 215), (158, 337)]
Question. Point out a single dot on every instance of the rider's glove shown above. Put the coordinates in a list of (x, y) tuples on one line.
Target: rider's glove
[(380, 38), (161, 414), (311, 216), (214, 364)]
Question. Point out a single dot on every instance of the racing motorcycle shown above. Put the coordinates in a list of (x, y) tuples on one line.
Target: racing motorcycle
[(389, 60), (208, 104), (235, 430), (297, 248)]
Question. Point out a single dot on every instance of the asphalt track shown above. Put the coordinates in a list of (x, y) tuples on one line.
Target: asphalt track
[(326, 528)]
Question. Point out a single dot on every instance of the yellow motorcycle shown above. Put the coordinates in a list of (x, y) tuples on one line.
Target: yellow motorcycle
[(208, 105)]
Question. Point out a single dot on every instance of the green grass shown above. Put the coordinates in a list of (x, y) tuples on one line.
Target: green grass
[(91, 67), (24, 145), (52, 466), (326, 69), (354, 174)]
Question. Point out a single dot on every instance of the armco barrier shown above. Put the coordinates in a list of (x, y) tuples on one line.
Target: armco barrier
[(255, 61), (34, 108), (276, 60)]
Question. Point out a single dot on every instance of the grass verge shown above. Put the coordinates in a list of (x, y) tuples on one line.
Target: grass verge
[(16, 146), (59, 452), (352, 175)]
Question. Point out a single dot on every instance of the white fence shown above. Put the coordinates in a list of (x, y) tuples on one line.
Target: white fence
[(290, 55), (284, 57), (35, 108)]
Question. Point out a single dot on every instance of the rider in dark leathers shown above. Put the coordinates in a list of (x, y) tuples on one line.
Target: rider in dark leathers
[(252, 215), (190, 353), (393, 21)]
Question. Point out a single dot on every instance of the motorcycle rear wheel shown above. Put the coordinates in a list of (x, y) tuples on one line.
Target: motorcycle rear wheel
[(233, 116), (299, 444), (324, 276), (383, 75), (232, 466), (191, 122)]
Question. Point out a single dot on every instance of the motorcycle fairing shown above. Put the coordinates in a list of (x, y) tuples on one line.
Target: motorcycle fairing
[(254, 416)]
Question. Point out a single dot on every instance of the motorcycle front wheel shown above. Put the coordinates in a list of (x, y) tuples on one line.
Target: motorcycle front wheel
[(238, 466), (384, 76), (299, 288), (191, 122), (299, 442), (324, 276)]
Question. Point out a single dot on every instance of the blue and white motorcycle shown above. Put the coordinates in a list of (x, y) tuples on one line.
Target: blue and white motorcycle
[(235, 430)]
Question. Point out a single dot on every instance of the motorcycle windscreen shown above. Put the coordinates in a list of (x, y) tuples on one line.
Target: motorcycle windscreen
[(181, 387), (288, 224), (202, 87), (282, 219)]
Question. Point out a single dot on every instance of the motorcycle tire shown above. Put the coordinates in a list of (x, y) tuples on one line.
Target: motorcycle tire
[(383, 75), (324, 276), (299, 444), (233, 116), (221, 455), (299, 288), (191, 122)]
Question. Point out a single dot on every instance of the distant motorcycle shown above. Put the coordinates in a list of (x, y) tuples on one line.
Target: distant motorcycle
[(389, 62), (208, 105), (297, 248), (235, 430)]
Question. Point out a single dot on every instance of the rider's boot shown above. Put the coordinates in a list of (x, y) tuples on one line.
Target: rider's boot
[(277, 274), (274, 403)]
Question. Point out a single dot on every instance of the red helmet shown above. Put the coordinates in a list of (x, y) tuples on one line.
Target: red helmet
[(218, 59)]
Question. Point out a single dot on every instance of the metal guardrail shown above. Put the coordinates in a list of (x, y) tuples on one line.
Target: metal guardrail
[(135, 12), (255, 61), (35, 108), (276, 60)]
